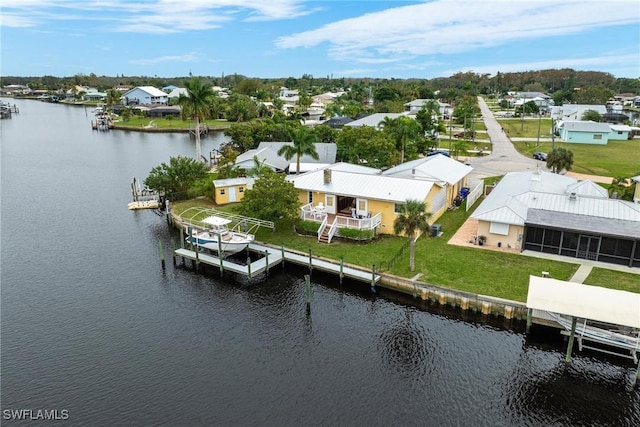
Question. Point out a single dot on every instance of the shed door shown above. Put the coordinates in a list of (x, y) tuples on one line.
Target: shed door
[(232, 195)]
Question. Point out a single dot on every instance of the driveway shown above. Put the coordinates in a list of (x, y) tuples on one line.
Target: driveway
[(504, 157)]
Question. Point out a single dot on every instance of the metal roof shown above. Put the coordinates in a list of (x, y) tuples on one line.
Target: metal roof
[(580, 223), (584, 301), (228, 182), (374, 120), (518, 194), (433, 168), (585, 126), (369, 186)]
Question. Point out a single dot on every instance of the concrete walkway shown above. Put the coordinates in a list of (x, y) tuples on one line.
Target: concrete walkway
[(582, 273)]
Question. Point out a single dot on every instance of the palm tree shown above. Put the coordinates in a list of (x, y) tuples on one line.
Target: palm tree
[(406, 129), (560, 159), (197, 101), (113, 98), (258, 168), (411, 220), (303, 143)]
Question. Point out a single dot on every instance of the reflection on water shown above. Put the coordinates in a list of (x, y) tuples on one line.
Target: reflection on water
[(92, 324)]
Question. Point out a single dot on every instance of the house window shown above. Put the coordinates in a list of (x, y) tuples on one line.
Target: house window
[(241, 190), (598, 136), (499, 228), (310, 197), (398, 208), (222, 191)]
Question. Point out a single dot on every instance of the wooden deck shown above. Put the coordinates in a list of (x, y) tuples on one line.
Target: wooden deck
[(274, 257)]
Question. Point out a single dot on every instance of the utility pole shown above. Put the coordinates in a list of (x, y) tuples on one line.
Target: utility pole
[(539, 120)]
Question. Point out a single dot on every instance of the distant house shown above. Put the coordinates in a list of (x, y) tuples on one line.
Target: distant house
[(620, 132), (584, 132), (176, 92), (164, 111), (230, 190), (267, 154), (575, 111), (145, 95), (416, 105), (94, 96), (373, 120), (338, 122), (169, 88), (551, 213), (290, 96)]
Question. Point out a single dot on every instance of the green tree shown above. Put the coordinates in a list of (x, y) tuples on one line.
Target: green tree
[(405, 131), (272, 198), (303, 143), (258, 168), (412, 220), (367, 146), (592, 95), (197, 103), (177, 177), (592, 115), (113, 98), (247, 87), (560, 159)]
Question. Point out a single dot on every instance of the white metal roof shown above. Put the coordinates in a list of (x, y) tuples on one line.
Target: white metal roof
[(584, 301), (368, 186), (374, 120), (228, 182), (433, 168), (586, 126)]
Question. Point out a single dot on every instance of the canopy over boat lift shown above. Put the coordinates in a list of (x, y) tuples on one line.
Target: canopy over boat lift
[(614, 314)]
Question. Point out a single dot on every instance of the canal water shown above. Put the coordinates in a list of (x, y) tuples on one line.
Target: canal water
[(92, 325)]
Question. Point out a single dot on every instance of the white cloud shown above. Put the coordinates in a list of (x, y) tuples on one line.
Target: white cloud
[(622, 61), (153, 16), (454, 26), (188, 57)]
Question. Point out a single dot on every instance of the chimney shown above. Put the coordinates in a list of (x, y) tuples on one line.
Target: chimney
[(327, 176)]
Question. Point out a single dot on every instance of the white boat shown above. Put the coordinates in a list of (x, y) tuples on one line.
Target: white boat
[(218, 236)]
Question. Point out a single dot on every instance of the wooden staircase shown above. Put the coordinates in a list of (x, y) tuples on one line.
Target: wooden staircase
[(324, 236)]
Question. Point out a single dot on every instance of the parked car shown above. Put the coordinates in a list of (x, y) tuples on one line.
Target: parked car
[(465, 135), (540, 156), (507, 114)]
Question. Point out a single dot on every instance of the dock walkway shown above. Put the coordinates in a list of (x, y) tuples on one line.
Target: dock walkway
[(275, 256)]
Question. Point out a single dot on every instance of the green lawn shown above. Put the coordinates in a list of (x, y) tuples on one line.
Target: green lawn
[(166, 123), (614, 280), (616, 159), (527, 128)]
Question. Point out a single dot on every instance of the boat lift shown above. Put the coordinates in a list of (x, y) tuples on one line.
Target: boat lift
[(194, 217), (608, 317)]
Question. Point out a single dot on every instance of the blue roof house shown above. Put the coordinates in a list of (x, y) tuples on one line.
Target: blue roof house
[(584, 132)]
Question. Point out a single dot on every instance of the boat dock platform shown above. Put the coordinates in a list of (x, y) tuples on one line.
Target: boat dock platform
[(274, 256)]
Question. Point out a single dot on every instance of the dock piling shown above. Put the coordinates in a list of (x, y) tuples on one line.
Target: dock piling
[(310, 262), (161, 247), (307, 280), (341, 269), (373, 279), (571, 339)]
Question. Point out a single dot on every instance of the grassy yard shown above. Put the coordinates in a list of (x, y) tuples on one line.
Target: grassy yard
[(614, 279), (528, 128), (169, 123), (616, 159)]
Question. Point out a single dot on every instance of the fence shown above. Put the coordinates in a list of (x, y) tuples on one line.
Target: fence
[(475, 193), (388, 265)]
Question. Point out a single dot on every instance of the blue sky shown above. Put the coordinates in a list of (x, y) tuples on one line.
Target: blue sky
[(282, 38)]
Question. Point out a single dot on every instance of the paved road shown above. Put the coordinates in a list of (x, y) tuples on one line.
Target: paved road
[(504, 157)]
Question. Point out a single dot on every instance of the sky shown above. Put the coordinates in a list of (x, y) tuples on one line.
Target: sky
[(340, 38)]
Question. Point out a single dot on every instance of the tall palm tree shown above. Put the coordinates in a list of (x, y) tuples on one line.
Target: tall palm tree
[(406, 129), (560, 159), (411, 220), (303, 143), (197, 102)]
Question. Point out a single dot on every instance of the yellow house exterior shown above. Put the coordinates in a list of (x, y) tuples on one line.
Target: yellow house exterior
[(229, 190), (361, 200)]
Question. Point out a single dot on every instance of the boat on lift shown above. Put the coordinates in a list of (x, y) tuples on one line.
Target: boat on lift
[(218, 236)]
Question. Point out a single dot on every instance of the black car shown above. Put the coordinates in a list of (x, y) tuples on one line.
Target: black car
[(540, 156)]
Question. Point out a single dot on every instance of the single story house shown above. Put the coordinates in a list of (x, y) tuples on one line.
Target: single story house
[(344, 195), (230, 190), (94, 96), (416, 105), (620, 132), (584, 132), (145, 95), (164, 111), (574, 112), (448, 174), (176, 92), (373, 120), (551, 213)]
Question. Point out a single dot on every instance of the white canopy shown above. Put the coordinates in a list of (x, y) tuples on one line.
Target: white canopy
[(584, 301), (216, 221)]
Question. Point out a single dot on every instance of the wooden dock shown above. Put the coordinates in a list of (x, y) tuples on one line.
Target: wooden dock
[(273, 256)]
